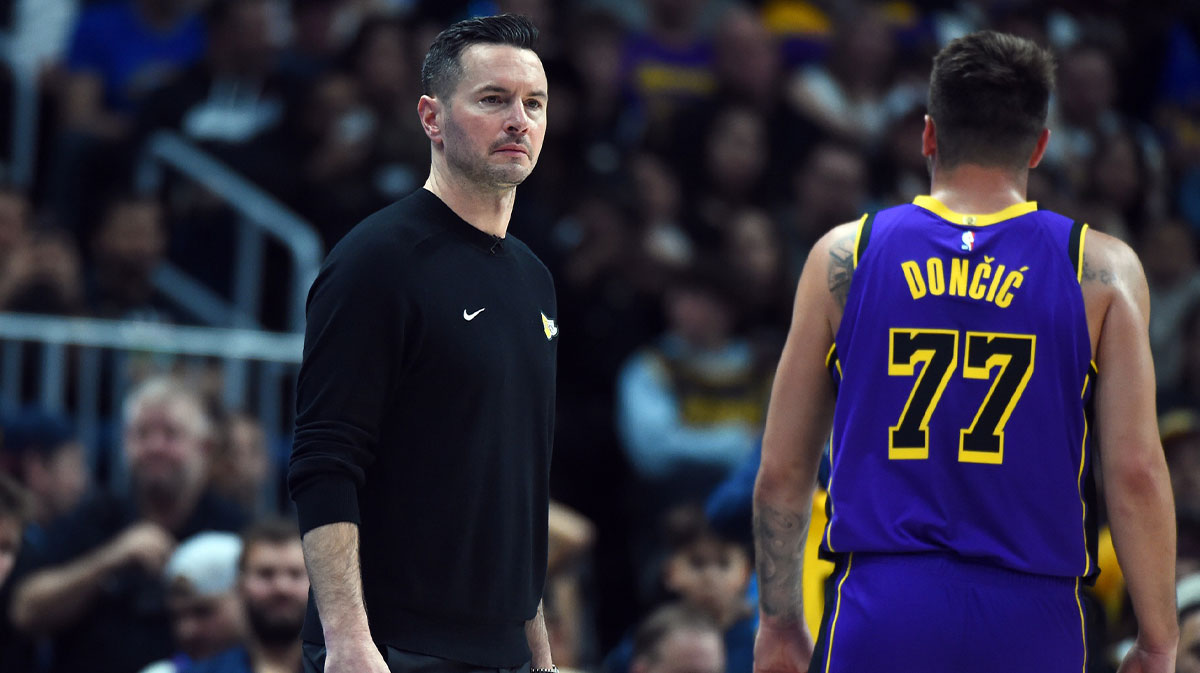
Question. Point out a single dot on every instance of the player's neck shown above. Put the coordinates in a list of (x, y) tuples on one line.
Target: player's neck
[(969, 188), (488, 210)]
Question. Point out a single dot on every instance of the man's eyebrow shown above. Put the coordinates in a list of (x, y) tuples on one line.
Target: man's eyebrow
[(496, 88)]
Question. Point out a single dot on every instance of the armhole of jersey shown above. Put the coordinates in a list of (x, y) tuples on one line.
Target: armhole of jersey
[(1075, 247), (862, 237)]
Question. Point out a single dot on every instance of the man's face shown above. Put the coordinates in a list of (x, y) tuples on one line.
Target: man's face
[(274, 588), (10, 545), (164, 444), (685, 651), (60, 479), (205, 625), (711, 575), (494, 122)]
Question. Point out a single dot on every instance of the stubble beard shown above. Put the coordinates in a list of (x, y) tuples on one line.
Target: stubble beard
[(477, 169)]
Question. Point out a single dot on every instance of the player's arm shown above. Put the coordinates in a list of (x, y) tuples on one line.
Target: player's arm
[(1136, 483), (798, 422)]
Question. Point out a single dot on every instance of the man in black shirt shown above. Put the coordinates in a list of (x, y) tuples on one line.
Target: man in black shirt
[(425, 401)]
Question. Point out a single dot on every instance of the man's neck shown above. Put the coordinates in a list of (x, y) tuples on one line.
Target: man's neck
[(172, 512), (275, 659), (970, 188), (488, 210)]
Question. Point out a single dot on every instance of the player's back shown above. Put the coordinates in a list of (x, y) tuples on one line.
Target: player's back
[(964, 369)]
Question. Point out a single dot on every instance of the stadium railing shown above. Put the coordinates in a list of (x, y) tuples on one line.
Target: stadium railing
[(261, 216), (84, 367)]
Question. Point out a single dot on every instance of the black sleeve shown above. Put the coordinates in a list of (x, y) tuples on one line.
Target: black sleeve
[(351, 350)]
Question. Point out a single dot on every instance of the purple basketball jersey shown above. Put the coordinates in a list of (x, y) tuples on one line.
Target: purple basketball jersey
[(963, 365)]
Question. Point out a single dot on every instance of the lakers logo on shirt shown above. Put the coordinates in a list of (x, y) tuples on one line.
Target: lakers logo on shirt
[(549, 327)]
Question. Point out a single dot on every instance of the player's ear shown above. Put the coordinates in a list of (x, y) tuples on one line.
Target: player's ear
[(429, 110), (1039, 150), (929, 139)]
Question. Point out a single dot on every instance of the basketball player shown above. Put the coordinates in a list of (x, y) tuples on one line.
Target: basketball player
[(968, 335)]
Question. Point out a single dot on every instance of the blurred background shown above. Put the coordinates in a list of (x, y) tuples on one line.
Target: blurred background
[(172, 173)]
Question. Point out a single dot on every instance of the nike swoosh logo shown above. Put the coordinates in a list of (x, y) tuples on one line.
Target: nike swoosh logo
[(471, 316)]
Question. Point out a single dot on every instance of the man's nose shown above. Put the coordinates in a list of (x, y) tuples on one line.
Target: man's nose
[(518, 119)]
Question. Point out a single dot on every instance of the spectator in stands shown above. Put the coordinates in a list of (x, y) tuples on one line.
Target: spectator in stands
[(234, 102), (241, 464), (272, 584), (571, 540), (829, 188), (206, 615), (1173, 274), (44, 275), (15, 212), (677, 639), (16, 651), (13, 515), (98, 592), (754, 252), (127, 247), (669, 65), (119, 52), (732, 173), (749, 76), (708, 573), (1188, 600), (1180, 432), (851, 96), (47, 457), (1084, 116), (690, 405), (320, 29)]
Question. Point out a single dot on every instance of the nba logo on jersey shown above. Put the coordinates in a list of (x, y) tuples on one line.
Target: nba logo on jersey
[(968, 241)]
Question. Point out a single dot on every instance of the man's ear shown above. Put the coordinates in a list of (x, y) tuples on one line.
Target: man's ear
[(429, 110), (929, 139), (1039, 150)]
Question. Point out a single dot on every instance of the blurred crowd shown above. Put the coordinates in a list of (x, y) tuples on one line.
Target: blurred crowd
[(695, 151)]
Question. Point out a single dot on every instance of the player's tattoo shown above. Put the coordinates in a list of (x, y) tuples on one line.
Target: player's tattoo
[(841, 268), (1100, 275), (779, 538)]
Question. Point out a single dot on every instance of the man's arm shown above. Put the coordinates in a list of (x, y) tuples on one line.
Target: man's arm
[(56, 597), (798, 422), (331, 554), (539, 640), (1136, 483)]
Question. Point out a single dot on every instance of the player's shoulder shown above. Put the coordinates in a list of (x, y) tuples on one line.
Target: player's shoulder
[(388, 232), (1109, 261)]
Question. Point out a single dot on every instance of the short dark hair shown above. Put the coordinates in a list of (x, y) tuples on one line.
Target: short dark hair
[(989, 94), (443, 63), (687, 524), (666, 620), (274, 530)]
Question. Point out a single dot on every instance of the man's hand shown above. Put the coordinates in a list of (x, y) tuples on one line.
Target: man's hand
[(782, 650), (354, 655), (148, 545), (1139, 660)]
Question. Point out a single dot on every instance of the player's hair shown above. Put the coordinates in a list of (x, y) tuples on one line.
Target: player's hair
[(989, 94), (443, 63), (14, 500), (273, 530), (666, 620)]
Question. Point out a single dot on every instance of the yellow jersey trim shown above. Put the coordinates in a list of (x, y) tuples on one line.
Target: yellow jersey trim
[(857, 236), (978, 220), (1082, 626), (1079, 263), (838, 608)]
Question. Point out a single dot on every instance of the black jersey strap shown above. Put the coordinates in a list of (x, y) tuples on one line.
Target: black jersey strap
[(864, 235), (1075, 247)]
